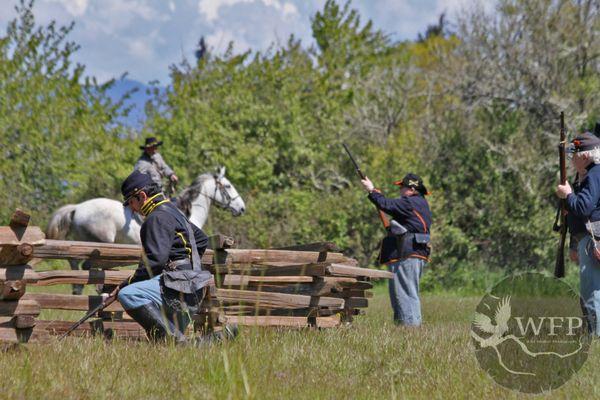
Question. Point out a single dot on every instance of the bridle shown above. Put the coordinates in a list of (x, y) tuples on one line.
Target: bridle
[(227, 199)]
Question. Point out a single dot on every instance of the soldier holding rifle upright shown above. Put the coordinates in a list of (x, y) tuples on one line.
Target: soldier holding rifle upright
[(583, 218), (406, 249)]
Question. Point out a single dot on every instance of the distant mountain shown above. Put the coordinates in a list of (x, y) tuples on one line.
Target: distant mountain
[(136, 116)]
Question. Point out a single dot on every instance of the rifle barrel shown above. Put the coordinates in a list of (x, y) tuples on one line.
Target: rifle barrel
[(382, 217), (559, 267), (87, 316), (360, 173)]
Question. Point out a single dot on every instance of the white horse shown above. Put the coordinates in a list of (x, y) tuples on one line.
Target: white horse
[(106, 220)]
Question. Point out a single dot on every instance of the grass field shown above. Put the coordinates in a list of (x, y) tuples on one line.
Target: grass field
[(370, 359)]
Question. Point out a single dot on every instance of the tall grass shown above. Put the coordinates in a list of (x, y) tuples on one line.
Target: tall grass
[(370, 359)]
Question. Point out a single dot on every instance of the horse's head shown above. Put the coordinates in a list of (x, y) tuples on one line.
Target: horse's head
[(225, 195), (206, 189)]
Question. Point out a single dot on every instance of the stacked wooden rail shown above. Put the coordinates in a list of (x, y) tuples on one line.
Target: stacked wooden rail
[(299, 286)]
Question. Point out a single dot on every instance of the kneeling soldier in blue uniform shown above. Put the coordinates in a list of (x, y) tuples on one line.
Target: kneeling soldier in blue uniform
[(169, 284), (583, 219), (406, 249)]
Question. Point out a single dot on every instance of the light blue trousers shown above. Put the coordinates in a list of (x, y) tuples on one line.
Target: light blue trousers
[(589, 282), (404, 290), (145, 292)]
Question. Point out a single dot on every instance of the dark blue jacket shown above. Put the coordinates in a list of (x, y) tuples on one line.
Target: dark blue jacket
[(164, 238), (584, 203), (413, 213)]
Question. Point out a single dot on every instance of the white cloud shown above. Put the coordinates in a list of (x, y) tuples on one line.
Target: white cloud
[(210, 8), (74, 7), (131, 9), (220, 39), (140, 48), (454, 7), (144, 37), (289, 9)]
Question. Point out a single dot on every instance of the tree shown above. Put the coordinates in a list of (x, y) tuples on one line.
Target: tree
[(58, 136)]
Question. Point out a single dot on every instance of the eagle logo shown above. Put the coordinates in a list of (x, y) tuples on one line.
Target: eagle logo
[(499, 332)]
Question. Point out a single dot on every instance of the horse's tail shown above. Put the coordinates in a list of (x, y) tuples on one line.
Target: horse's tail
[(60, 222)]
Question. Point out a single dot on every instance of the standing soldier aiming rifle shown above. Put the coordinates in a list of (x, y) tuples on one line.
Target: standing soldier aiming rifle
[(405, 249), (583, 220), (407, 254)]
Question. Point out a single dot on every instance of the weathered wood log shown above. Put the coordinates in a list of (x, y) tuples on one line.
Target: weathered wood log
[(119, 329), (250, 280), (312, 269), (14, 236), (29, 335), (98, 253), (272, 321), (258, 300), (321, 247), (23, 306), (348, 282), (220, 242), (308, 289), (18, 273), (357, 302), (270, 270), (347, 270), (17, 242), (56, 277), (275, 300), (12, 290), (237, 309), (260, 255), (18, 321), (24, 321), (90, 277), (317, 246), (19, 219), (69, 302)]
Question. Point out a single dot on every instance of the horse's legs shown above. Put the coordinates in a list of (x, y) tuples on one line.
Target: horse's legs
[(77, 289)]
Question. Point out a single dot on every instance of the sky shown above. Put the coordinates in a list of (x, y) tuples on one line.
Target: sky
[(145, 37)]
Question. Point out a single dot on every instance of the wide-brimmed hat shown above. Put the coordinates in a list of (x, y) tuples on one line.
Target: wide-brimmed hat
[(133, 184), (583, 142), (414, 181), (151, 142)]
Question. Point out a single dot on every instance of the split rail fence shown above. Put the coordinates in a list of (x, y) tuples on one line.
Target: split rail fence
[(299, 286)]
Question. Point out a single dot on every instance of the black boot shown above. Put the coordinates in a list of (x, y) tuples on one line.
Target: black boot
[(157, 327)]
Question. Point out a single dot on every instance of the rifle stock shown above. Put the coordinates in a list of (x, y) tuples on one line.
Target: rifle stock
[(382, 217), (561, 226)]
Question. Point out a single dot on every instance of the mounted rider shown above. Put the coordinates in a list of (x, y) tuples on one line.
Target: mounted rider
[(152, 163)]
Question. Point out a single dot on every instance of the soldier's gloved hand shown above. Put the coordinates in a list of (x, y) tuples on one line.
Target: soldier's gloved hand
[(109, 297), (367, 184), (174, 178), (562, 191)]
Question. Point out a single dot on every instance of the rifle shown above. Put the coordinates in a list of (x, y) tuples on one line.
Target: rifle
[(382, 217), (560, 224), (89, 315)]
